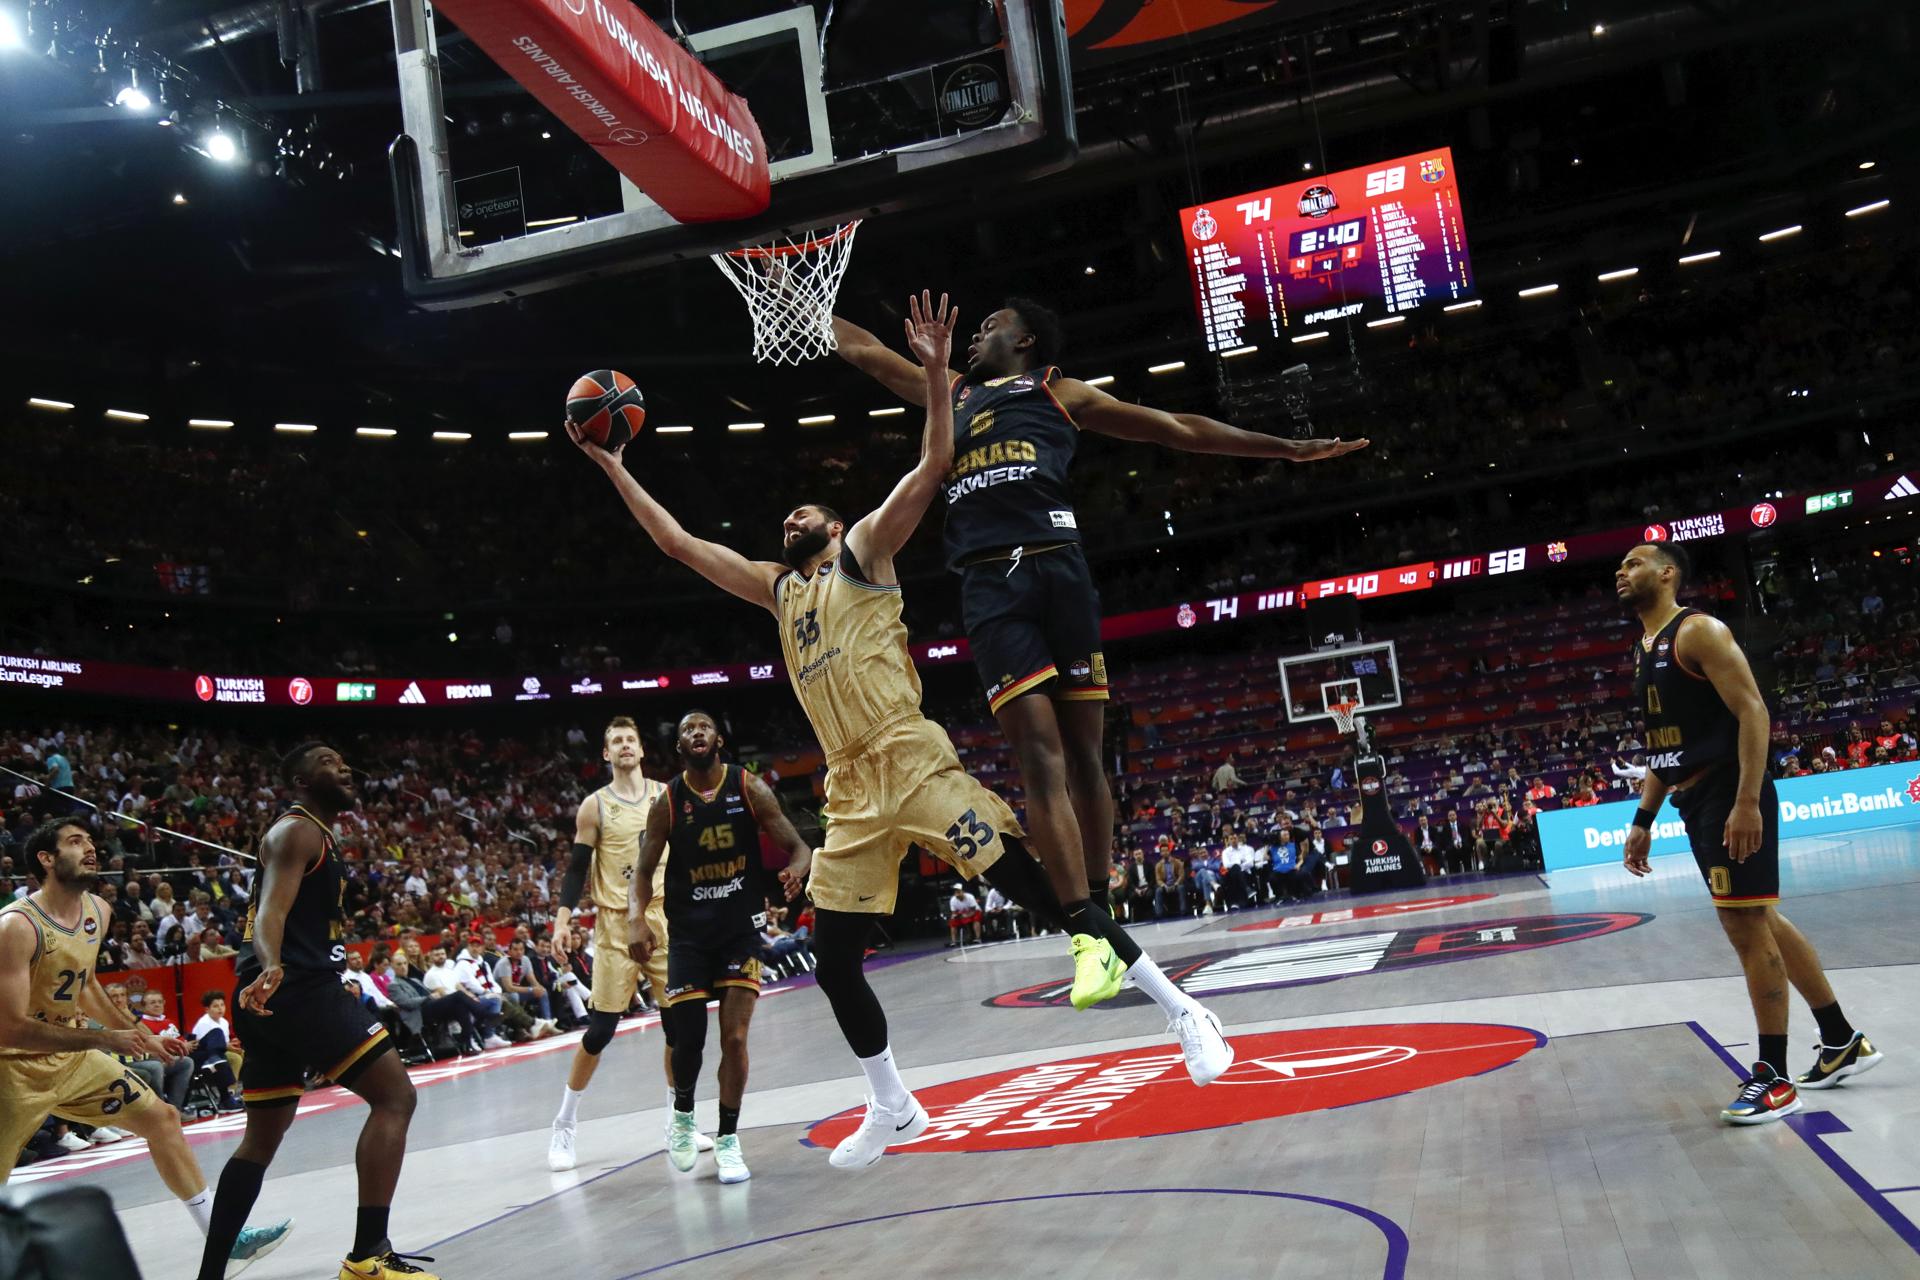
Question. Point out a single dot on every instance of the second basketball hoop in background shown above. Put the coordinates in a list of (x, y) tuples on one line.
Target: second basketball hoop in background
[(790, 287)]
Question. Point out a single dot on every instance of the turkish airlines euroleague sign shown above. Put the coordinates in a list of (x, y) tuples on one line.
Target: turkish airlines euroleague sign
[(1140, 1093), (636, 97)]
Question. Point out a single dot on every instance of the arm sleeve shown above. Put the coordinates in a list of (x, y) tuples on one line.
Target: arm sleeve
[(575, 882)]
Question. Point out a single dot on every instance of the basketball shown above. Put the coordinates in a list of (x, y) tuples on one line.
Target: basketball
[(606, 408)]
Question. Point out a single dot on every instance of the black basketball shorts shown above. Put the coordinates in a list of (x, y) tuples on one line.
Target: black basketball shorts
[(702, 962), (1705, 807), (316, 1024), (1034, 621)]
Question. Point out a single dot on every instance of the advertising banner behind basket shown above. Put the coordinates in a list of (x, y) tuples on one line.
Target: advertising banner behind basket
[(613, 77), (1886, 795)]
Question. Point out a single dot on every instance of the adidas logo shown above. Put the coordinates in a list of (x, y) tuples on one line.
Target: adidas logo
[(1902, 488), (413, 696)]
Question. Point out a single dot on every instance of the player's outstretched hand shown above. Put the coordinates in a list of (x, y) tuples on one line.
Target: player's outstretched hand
[(1320, 450), (606, 459), (254, 996), (793, 876), (930, 330), (1639, 844)]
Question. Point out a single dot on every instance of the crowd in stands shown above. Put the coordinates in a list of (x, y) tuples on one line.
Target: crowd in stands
[(1463, 404)]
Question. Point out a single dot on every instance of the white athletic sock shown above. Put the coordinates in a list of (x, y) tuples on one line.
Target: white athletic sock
[(201, 1207), (883, 1080), (1147, 977), (569, 1106)]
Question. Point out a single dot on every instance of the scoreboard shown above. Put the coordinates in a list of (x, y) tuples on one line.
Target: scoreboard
[(1363, 243)]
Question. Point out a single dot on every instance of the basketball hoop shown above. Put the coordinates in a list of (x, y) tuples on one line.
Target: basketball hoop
[(1343, 713), (789, 288)]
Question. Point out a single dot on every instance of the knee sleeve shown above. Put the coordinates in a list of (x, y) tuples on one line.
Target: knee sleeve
[(689, 1023), (599, 1031), (1018, 874), (839, 947)]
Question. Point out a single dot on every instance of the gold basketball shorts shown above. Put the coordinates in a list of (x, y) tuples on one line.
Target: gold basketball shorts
[(615, 975), (85, 1085), (902, 785)]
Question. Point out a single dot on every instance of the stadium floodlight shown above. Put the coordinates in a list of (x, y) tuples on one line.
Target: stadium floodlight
[(376, 433), (746, 426), (893, 412), (1171, 366), (1236, 352), (222, 147), (1471, 304), (527, 435), (210, 424), (126, 415), (1104, 380), (1386, 321), (1539, 290), (295, 428), (816, 419), (41, 402), (683, 430), (133, 98), (1781, 234), (453, 437), (1311, 337), (1873, 207), (1624, 273), (11, 37), (1706, 256)]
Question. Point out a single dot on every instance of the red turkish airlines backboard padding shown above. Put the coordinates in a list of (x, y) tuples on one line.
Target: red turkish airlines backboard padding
[(613, 77)]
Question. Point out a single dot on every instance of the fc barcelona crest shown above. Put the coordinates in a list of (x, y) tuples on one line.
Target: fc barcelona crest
[(1433, 170)]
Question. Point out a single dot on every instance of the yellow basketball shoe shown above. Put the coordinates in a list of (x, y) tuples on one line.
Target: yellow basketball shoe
[(387, 1265), (1097, 972)]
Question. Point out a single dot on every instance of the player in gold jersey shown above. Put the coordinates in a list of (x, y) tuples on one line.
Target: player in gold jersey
[(606, 850), (893, 777), (51, 1063)]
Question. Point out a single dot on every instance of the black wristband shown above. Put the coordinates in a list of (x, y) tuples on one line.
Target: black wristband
[(1643, 818)]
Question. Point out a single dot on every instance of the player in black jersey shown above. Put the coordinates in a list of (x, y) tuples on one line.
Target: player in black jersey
[(1031, 611), (294, 1016), (1707, 728), (711, 817)]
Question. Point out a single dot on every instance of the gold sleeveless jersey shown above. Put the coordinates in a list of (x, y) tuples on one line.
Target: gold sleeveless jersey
[(846, 651), (618, 853), (63, 961)]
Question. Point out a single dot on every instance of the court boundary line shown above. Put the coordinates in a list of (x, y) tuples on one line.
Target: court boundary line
[(1398, 1243)]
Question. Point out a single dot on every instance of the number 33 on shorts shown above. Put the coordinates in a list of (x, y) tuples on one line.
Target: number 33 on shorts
[(969, 835)]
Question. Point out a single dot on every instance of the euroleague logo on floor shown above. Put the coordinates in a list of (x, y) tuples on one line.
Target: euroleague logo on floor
[(1289, 964), (1139, 1093)]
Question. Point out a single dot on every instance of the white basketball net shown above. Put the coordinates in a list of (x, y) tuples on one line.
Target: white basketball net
[(790, 287), (1343, 713)]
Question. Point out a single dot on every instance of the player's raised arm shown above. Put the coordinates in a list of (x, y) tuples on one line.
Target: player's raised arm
[(1094, 410), (877, 538), (751, 580), (880, 362)]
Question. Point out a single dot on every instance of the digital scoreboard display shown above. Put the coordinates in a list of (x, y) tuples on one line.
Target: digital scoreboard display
[(1363, 243)]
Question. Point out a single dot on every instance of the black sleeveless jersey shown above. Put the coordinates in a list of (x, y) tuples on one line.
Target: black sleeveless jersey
[(314, 933), (1688, 726), (713, 859), (1012, 447)]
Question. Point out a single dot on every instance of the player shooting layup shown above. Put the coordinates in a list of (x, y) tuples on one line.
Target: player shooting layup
[(893, 776)]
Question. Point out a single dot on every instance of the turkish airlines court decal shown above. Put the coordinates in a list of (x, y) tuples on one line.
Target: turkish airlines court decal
[(1369, 912), (1140, 1093), (1288, 964)]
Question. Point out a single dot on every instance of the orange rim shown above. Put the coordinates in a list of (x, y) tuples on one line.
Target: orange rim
[(792, 250)]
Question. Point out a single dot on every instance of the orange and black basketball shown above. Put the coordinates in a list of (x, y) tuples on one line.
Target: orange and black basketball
[(606, 408)]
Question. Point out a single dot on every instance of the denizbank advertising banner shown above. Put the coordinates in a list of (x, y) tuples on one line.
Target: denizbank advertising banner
[(1886, 795)]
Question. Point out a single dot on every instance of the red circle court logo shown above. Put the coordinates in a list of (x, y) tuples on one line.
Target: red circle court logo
[(1763, 515), (1654, 533), (203, 688), (300, 689), (1142, 1093)]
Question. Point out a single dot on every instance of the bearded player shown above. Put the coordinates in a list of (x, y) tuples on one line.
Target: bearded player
[(1707, 729), (1032, 614), (893, 777), (606, 850), (52, 1063)]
